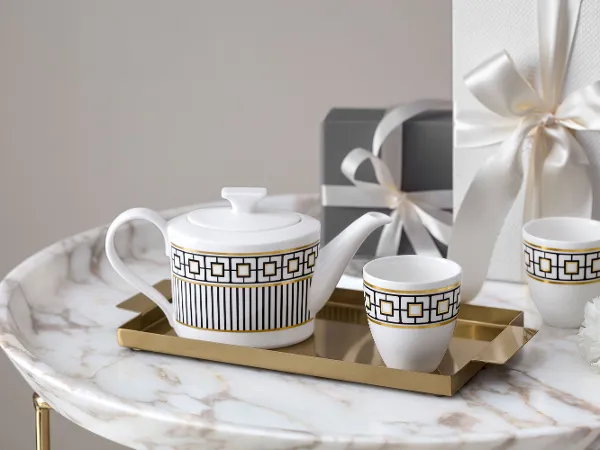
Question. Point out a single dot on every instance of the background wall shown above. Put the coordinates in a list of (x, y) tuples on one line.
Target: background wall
[(110, 104)]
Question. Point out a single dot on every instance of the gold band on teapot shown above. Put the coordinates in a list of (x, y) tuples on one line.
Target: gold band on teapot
[(243, 286)]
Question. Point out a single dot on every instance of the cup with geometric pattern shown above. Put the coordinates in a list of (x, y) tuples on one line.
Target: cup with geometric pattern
[(562, 263), (412, 303)]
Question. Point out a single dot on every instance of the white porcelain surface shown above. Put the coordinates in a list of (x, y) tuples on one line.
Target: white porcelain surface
[(58, 321), (418, 349), (430, 286), (562, 306), (562, 261)]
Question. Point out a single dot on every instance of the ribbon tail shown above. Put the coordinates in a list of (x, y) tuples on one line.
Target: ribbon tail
[(565, 181), (532, 207), (436, 221), (486, 204), (420, 239), (389, 240)]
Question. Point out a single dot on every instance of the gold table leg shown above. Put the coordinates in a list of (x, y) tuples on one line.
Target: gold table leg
[(42, 423)]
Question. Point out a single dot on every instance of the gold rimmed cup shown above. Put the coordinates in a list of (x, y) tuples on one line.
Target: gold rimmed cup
[(412, 303), (562, 263)]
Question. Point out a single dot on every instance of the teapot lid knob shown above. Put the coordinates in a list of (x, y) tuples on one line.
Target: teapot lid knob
[(244, 199)]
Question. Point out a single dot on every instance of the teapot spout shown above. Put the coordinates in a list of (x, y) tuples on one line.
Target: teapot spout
[(336, 255)]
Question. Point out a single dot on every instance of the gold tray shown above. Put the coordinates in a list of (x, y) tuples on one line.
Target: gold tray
[(342, 347)]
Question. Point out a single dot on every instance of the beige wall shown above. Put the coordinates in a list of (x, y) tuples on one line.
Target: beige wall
[(110, 104)]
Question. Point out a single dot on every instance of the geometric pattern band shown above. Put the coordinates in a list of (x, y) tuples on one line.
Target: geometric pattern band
[(246, 309), (244, 269), (412, 310), (561, 267)]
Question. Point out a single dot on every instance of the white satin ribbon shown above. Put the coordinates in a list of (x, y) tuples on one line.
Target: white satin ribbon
[(419, 214), (519, 117)]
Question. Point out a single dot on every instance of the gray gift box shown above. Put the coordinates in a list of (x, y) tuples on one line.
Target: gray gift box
[(426, 163)]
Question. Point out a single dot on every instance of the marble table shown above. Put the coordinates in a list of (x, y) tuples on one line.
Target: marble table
[(58, 326)]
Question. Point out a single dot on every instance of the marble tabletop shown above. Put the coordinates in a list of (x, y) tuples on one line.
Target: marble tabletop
[(58, 326)]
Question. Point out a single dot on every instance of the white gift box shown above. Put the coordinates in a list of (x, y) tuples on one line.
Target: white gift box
[(482, 30)]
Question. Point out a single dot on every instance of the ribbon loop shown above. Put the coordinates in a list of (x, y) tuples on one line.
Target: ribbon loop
[(581, 109), (397, 116), (384, 189), (499, 86)]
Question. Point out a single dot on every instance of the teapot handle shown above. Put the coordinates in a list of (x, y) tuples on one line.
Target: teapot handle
[(126, 273)]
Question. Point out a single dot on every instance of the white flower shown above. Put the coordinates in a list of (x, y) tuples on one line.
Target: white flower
[(589, 334)]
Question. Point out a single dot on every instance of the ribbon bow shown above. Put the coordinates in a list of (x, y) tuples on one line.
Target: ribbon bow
[(519, 118), (419, 214)]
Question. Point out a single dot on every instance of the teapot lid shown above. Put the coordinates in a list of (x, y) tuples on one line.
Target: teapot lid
[(244, 214)]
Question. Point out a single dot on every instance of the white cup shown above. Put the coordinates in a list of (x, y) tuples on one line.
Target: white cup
[(412, 304), (562, 261)]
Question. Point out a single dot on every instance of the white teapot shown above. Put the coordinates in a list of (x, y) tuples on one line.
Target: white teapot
[(246, 275)]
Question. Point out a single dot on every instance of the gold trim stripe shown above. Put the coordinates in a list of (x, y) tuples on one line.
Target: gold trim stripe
[(561, 282), (245, 331), (582, 250), (429, 291), (243, 286), (273, 252), (426, 325)]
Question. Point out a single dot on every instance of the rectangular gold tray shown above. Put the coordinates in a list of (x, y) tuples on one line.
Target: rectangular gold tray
[(342, 347)]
